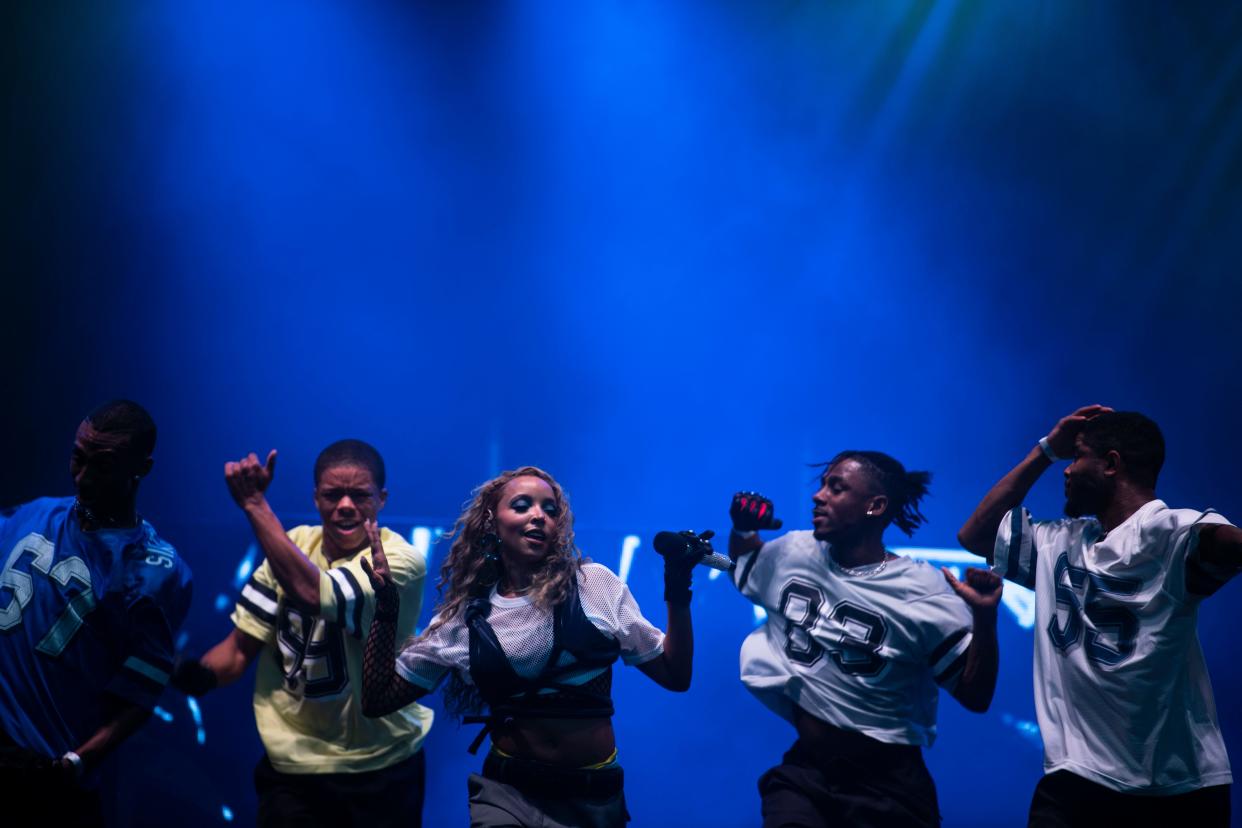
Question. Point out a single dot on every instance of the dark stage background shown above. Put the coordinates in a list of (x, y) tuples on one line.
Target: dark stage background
[(665, 250)]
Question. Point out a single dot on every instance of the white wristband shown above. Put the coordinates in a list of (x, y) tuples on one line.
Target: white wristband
[(750, 533), (1047, 449), (75, 760)]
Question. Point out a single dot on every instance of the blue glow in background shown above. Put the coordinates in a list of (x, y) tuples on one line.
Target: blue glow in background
[(664, 250)]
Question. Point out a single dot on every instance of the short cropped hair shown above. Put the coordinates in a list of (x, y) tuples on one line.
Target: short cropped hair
[(351, 453), (126, 418), (1132, 435)]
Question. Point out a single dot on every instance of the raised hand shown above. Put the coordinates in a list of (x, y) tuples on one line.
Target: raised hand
[(1061, 438), (681, 552), (387, 599), (751, 511), (979, 588), (377, 570), (248, 479)]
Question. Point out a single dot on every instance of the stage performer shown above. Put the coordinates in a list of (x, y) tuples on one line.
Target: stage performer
[(90, 602), (529, 630), (1121, 688), (306, 608), (855, 643)]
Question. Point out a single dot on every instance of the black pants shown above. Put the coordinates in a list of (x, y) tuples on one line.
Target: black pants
[(1067, 800), (55, 798), (854, 781), (55, 794), (390, 796)]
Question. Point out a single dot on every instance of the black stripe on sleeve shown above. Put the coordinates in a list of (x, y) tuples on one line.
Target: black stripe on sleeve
[(264, 590), (754, 556), (359, 600), (1015, 545), (946, 645), (340, 601), (256, 610), (956, 667), (143, 682)]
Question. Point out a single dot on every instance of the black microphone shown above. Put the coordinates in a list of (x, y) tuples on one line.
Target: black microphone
[(667, 543)]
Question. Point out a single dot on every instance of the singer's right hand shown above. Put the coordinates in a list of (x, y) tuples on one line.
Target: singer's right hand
[(751, 511), (681, 551)]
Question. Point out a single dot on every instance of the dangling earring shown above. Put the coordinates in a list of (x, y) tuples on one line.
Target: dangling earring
[(488, 546)]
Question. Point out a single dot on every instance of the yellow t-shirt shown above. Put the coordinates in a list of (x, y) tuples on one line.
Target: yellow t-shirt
[(308, 687)]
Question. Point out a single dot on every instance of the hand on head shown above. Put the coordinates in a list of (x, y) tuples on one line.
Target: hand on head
[(1065, 432)]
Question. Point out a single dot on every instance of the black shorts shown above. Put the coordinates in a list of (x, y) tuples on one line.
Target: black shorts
[(854, 781), (1066, 800), (388, 796)]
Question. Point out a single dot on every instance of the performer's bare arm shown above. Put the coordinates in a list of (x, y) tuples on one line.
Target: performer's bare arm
[(123, 720), (248, 480), (672, 669), (978, 533), (981, 590)]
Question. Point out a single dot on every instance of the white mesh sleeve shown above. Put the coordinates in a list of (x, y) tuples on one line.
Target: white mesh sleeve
[(427, 659), (611, 607)]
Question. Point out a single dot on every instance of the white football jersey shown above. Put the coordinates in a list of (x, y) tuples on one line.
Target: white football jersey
[(864, 653), (1121, 689)]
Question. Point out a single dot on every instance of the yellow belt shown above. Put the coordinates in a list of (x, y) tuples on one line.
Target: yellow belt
[(612, 758)]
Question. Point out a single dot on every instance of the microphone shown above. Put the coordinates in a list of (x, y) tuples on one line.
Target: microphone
[(672, 543)]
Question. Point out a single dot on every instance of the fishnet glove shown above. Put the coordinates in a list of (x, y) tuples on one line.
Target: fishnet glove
[(383, 691)]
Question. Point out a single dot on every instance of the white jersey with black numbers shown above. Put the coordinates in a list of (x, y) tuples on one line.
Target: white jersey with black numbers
[(1121, 688), (864, 653)]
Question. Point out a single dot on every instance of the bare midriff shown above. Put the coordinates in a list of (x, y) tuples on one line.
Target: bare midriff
[(574, 743)]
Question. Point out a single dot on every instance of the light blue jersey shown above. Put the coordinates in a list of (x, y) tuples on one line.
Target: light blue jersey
[(82, 615)]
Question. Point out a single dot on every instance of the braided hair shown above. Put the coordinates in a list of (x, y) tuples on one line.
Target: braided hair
[(904, 489)]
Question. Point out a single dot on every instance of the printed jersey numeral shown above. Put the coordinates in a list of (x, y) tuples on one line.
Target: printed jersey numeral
[(800, 605), (1091, 620), (66, 572), (862, 631), (313, 655), (859, 631)]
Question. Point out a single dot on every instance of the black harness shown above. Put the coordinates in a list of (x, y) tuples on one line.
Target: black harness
[(510, 696)]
